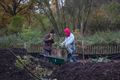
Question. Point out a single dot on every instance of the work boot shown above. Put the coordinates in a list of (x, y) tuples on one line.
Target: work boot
[(70, 58)]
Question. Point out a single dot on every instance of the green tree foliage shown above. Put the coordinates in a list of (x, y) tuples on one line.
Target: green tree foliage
[(16, 24), (11, 8)]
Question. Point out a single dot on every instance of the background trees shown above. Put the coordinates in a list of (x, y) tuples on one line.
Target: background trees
[(84, 17)]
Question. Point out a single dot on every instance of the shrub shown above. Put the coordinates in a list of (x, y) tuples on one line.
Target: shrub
[(101, 38), (31, 36)]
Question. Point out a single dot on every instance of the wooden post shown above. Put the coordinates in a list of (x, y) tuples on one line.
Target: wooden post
[(82, 40)]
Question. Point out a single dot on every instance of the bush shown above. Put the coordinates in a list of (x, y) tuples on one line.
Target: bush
[(107, 17), (8, 41), (113, 12), (27, 35), (101, 38), (31, 36)]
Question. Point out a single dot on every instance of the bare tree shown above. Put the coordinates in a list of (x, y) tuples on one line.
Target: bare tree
[(13, 7), (48, 12)]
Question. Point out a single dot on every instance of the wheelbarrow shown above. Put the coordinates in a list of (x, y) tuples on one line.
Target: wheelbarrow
[(56, 57), (51, 58), (55, 60)]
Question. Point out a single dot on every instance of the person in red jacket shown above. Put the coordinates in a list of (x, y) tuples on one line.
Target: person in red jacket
[(48, 41)]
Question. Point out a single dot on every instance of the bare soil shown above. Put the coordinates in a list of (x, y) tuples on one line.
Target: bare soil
[(88, 71)]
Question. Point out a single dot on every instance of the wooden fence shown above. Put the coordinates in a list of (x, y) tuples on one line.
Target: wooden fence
[(100, 49), (88, 49)]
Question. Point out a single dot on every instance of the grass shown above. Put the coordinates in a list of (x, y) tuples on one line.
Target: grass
[(34, 37)]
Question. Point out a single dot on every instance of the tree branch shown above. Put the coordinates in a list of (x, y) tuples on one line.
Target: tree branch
[(4, 7)]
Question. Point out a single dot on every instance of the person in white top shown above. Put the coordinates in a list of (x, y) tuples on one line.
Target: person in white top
[(69, 44)]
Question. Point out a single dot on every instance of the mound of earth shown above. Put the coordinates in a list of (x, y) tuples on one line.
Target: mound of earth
[(68, 71), (88, 71), (8, 70)]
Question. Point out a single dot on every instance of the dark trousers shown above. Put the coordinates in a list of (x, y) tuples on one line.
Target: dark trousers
[(47, 52), (71, 58)]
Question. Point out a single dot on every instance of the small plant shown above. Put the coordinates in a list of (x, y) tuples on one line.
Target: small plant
[(101, 59), (42, 72), (24, 60)]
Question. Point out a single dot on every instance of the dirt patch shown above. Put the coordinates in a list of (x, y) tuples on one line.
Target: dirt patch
[(88, 71), (8, 70), (68, 71)]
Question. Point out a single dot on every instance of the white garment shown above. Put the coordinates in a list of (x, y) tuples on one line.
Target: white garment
[(69, 43), (68, 40)]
